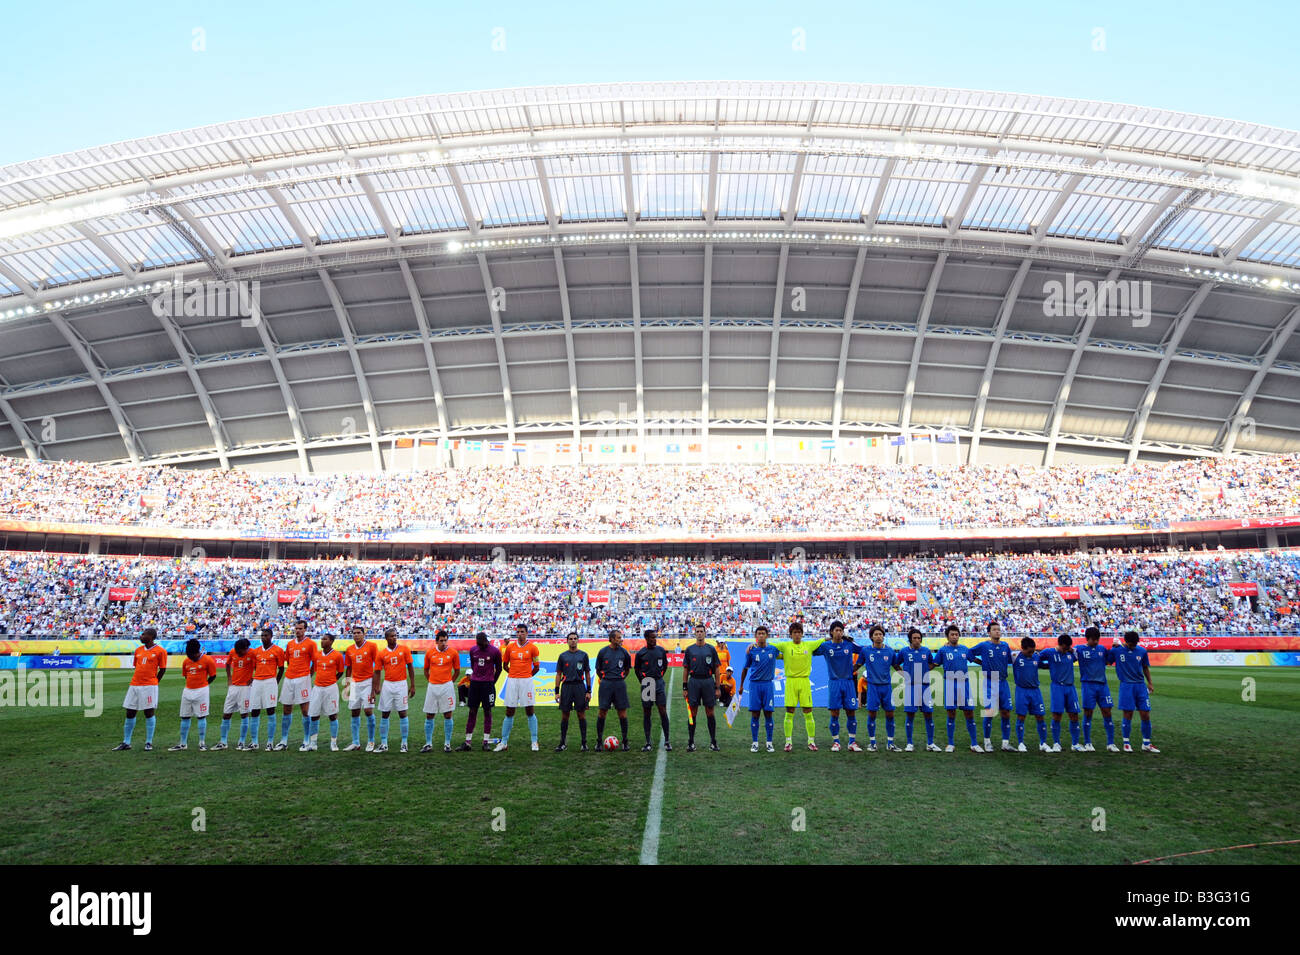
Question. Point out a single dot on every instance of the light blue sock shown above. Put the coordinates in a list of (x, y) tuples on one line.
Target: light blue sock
[(356, 728), (254, 726), (203, 731), (506, 725), (307, 731), (225, 729), (149, 723), (1146, 731), (405, 723), (273, 724), (532, 728), (447, 728), (128, 730), (428, 730), (313, 727), (383, 731), (243, 728), (185, 731), (334, 730), (370, 727), (286, 721)]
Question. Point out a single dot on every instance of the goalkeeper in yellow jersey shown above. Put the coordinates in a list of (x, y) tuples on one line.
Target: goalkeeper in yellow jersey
[(797, 654)]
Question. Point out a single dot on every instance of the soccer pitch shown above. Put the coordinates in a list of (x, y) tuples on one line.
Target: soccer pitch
[(1228, 775)]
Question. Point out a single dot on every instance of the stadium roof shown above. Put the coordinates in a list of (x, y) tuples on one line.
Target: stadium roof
[(744, 257)]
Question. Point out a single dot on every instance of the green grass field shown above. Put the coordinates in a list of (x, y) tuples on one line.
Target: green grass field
[(1228, 775)]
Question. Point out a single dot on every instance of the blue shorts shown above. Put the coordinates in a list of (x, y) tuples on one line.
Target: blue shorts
[(761, 696), (1064, 699), (957, 692), (1029, 702), (842, 696), (1134, 696), (1003, 693), (916, 696), (1097, 694), (880, 697)]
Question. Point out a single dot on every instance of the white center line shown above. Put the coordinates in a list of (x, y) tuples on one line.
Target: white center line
[(654, 814)]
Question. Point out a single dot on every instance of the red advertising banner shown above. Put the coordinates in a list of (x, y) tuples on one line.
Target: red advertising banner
[(122, 593), (287, 596), (1068, 593), (1244, 588), (598, 597), (905, 594), (751, 596), (444, 596)]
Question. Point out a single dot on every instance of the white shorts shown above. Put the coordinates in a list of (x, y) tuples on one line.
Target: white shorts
[(392, 696), (359, 693), (236, 700), (440, 698), (517, 692), (324, 701), (261, 695), (194, 702), (141, 698), (297, 690)]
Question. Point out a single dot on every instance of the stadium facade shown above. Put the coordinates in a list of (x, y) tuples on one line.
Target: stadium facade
[(689, 272)]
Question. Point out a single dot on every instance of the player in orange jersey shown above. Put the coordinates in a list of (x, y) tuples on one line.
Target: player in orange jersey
[(299, 654), (441, 668), (239, 683), (326, 667), (199, 671), (394, 662), (268, 667), (150, 666), (361, 695), (520, 661)]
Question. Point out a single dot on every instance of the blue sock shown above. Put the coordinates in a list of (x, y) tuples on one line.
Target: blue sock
[(446, 731), (753, 727), (404, 723), (507, 724), (952, 728), (225, 729), (835, 728), (970, 728), (853, 726), (203, 731), (243, 728), (1056, 731), (149, 723), (1126, 725), (1042, 732), (1020, 731), (370, 727), (1110, 731), (307, 731), (1006, 727), (128, 730), (889, 729), (185, 731), (929, 731), (771, 724), (909, 729), (383, 731), (1146, 731), (274, 725), (428, 730), (1074, 732), (314, 728), (254, 725), (532, 728), (334, 729), (871, 727), (284, 728), (988, 727), (1087, 730), (356, 728)]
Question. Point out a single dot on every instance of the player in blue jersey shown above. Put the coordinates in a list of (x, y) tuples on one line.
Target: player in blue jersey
[(840, 654), (760, 667), (1059, 664), (957, 695), (878, 662), (914, 662), (1093, 659), (1029, 698), (1135, 687), (994, 657)]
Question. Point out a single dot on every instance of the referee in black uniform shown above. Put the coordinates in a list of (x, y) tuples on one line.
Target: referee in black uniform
[(700, 663), (650, 665), (573, 689), (613, 664)]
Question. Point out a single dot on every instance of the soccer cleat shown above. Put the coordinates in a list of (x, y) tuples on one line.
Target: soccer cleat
[(305, 748), (1077, 748), (1127, 747), (668, 747), (148, 747), (427, 748), (933, 748), (219, 746), (854, 747), (714, 747), (1089, 748), (534, 747), (240, 747), (120, 747), (988, 746), (789, 747), (583, 748), (269, 747), (646, 748), (177, 748), (949, 748), (203, 747), (487, 747), (1021, 748), (281, 746), (909, 748), (334, 746), (1056, 747), (381, 748), (403, 749), (690, 747), (500, 747), (370, 746), (871, 747), (753, 747), (1044, 748), (351, 746), (1112, 748), (561, 747), (835, 746), (1006, 745), (894, 749), (465, 747), (1148, 748), (812, 747), (975, 748)]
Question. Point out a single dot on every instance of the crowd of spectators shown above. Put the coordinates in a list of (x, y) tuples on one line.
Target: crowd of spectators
[(735, 498)]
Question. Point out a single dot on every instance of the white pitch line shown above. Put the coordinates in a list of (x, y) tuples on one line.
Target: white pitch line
[(654, 814)]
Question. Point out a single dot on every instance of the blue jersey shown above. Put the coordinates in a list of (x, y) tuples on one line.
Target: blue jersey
[(954, 659), (915, 664), (1025, 667), (761, 662), (1060, 666), (1129, 663), (992, 657), (839, 658), (878, 663), (1092, 663)]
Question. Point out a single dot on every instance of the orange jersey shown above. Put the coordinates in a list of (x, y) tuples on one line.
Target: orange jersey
[(728, 682), (328, 667), (394, 661), (148, 661), (197, 671), (724, 657), (266, 661), (241, 668), (362, 660), (439, 665), (300, 654), (518, 660)]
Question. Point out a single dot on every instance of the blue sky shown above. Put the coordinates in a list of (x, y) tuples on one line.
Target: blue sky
[(86, 73)]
